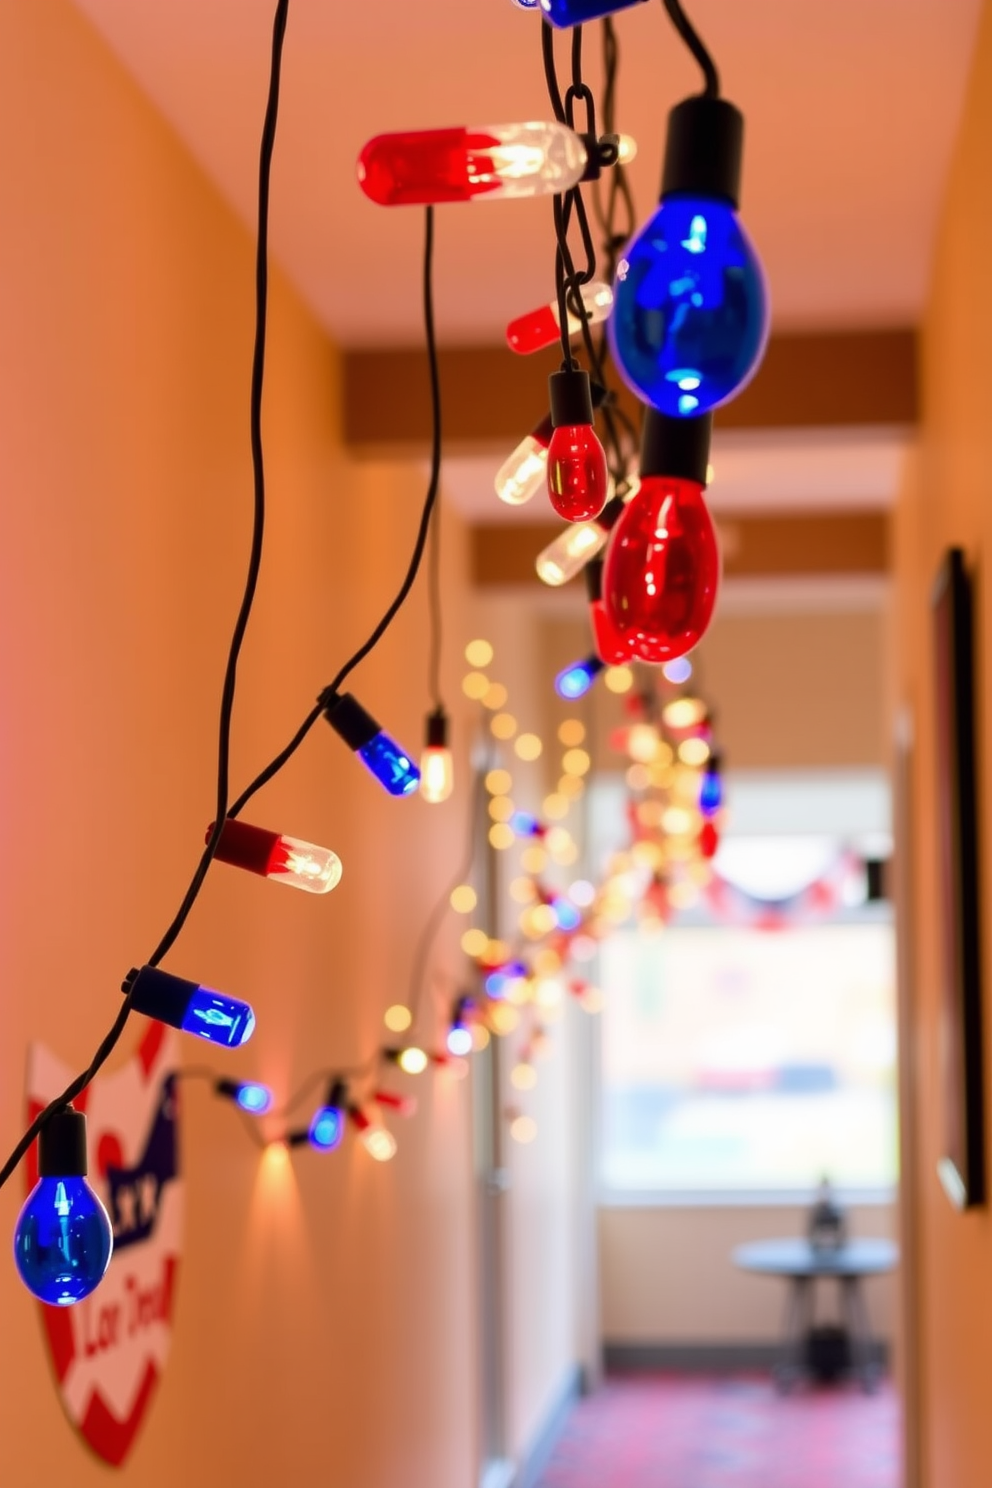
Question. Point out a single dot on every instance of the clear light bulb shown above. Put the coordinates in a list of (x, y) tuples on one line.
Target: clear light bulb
[(437, 769), (578, 478), (483, 162), (287, 860), (391, 765), (252, 1097), (573, 548), (64, 1239), (190, 1007), (662, 567), (412, 1059), (690, 319), (576, 680), (523, 474), (377, 1141), (540, 328), (578, 12)]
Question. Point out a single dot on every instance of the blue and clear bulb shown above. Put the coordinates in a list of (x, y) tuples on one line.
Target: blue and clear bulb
[(390, 765), (64, 1239), (690, 311), (566, 914), (327, 1128), (524, 824), (459, 1040), (576, 680)]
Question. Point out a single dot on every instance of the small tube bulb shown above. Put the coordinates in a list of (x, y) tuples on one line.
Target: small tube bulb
[(576, 680), (391, 766), (377, 1141), (437, 770), (188, 1006), (572, 549), (540, 328), (522, 475), (287, 860), (252, 1097), (425, 166)]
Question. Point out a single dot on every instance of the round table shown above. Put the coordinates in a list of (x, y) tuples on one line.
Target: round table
[(797, 1262)]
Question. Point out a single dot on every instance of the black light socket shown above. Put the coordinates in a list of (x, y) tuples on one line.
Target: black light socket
[(594, 580), (337, 1095), (62, 1145), (571, 397), (350, 721), (703, 150), (610, 515), (437, 729), (678, 447)]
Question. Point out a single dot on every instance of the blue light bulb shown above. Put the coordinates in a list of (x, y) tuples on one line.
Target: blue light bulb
[(327, 1128), (187, 1005), (690, 309), (566, 914), (459, 1040), (576, 680), (577, 12), (711, 793), (64, 1239), (523, 824), (390, 766), (254, 1098), (690, 313)]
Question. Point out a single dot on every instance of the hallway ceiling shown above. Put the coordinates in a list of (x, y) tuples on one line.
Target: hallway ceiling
[(851, 110)]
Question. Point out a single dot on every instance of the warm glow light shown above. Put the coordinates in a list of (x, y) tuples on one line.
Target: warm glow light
[(437, 775), (676, 820), (503, 726), (397, 1018), (571, 786), (501, 836), (637, 778), (683, 894), (547, 962), (474, 942), (538, 920), (523, 890), (501, 808), (475, 685), (464, 899), (495, 697), (694, 751), (619, 679), (642, 742), (550, 993), (478, 653), (497, 953), (555, 807), (558, 840), (523, 1076), (480, 1037), (499, 782), (683, 713), (571, 732), (379, 1143), (413, 1060), (528, 747), (523, 1129), (504, 1018), (533, 859), (576, 762)]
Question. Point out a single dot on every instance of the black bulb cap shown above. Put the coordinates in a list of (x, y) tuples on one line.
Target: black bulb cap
[(437, 729), (704, 150), (350, 721), (679, 447), (571, 397), (62, 1145), (594, 580)]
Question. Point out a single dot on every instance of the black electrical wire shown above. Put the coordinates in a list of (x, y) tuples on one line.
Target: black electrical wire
[(241, 624), (689, 34), (430, 501)]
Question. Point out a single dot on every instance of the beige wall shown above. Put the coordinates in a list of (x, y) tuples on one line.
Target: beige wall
[(667, 1275), (945, 501), (325, 1321)]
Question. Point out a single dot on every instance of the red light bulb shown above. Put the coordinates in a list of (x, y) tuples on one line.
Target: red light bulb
[(578, 480), (422, 166), (662, 566), (709, 839), (611, 646)]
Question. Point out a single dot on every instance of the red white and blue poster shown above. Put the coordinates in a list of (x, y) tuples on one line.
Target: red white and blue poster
[(108, 1352)]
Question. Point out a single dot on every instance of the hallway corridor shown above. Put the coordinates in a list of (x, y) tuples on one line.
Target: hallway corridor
[(676, 1431)]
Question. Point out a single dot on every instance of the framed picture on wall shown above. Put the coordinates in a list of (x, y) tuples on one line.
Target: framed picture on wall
[(962, 1166)]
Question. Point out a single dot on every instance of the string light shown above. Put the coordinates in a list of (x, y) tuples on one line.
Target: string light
[(188, 1006), (474, 163), (437, 771), (575, 681), (285, 860), (64, 1239), (540, 328), (252, 1097), (382, 757)]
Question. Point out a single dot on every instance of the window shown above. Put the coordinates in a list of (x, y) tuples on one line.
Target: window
[(749, 1046)]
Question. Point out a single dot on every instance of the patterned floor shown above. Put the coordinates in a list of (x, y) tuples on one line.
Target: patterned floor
[(677, 1431)]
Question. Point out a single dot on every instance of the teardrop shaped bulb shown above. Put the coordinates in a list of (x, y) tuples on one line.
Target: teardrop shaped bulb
[(690, 311), (662, 569), (63, 1241), (578, 479)]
